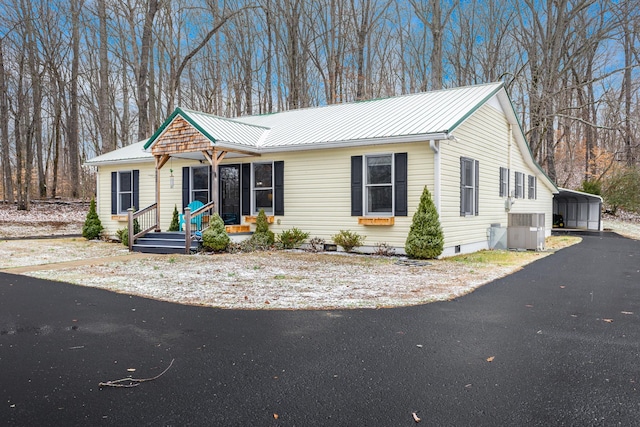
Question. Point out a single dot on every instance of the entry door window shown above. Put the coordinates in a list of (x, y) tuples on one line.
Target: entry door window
[(200, 184), (230, 194)]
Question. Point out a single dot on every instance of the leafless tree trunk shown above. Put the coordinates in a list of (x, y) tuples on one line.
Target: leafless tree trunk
[(73, 144), (430, 13), (143, 70), (7, 174), (104, 124)]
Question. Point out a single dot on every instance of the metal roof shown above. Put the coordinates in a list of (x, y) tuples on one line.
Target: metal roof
[(420, 114), (131, 153), (428, 115)]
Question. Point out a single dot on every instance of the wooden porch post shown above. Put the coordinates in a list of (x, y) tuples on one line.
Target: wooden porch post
[(161, 160), (214, 159)]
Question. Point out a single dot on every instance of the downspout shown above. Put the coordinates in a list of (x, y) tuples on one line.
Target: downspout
[(509, 150), (435, 147)]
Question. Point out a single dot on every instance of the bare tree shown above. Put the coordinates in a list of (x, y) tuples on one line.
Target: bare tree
[(432, 15), (7, 174)]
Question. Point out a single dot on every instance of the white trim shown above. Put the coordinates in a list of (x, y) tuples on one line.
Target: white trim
[(254, 208), (365, 186), (191, 189), (119, 210)]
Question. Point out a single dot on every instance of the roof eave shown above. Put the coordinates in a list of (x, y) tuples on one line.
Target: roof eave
[(359, 142), (119, 161)]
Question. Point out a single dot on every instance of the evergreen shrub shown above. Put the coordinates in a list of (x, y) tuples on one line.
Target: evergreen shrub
[(215, 237), (92, 225), (425, 239)]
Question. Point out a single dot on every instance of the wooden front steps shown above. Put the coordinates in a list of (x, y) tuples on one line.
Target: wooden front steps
[(164, 243)]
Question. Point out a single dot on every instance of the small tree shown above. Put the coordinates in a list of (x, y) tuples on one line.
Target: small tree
[(591, 187), (622, 190), (215, 237), (262, 233), (174, 226), (425, 239), (92, 226)]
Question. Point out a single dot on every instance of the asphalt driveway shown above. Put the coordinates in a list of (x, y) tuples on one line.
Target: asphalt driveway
[(557, 343)]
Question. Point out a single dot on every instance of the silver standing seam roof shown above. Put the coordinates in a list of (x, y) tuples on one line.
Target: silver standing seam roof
[(419, 115)]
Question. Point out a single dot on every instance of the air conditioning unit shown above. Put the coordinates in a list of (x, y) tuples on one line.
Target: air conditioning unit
[(526, 231)]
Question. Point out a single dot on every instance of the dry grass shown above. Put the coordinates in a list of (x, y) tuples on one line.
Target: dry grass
[(272, 280)]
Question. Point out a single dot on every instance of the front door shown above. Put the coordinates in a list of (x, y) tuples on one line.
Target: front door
[(230, 194)]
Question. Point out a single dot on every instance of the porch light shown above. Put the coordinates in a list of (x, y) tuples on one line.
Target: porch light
[(171, 180)]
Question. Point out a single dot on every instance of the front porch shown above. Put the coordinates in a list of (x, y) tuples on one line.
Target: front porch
[(188, 136), (144, 234)]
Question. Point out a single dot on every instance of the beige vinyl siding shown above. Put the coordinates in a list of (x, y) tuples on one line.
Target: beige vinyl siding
[(112, 223), (485, 136), (543, 203), (317, 190)]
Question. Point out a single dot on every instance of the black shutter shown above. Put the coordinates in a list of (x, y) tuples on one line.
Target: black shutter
[(501, 189), (278, 188), (476, 168), (114, 193), (401, 184), (185, 186), (245, 185), (356, 185), (136, 190), (462, 211)]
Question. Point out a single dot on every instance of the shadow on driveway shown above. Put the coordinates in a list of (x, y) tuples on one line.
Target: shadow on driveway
[(562, 336)]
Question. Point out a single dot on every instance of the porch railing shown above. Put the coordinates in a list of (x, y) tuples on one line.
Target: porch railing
[(201, 218), (141, 222)]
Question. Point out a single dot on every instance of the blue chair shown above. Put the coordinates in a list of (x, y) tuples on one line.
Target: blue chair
[(196, 221)]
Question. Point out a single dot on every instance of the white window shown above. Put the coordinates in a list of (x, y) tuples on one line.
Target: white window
[(504, 182), (519, 185), (469, 198), (200, 184), (379, 184), (263, 187), (125, 191), (532, 181)]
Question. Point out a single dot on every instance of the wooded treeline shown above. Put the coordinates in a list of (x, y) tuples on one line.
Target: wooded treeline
[(83, 77)]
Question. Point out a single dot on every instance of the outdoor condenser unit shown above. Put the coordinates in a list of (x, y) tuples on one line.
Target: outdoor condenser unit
[(526, 231)]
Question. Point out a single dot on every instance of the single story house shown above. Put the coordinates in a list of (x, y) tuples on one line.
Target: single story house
[(358, 166)]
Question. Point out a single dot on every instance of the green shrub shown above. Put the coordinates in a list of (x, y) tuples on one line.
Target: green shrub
[(348, 240), (425, 239), (215, 237), (622, 190), (92, 226), (174, 226), (123, 235), (591, 187), (262, 235), (293, 238)]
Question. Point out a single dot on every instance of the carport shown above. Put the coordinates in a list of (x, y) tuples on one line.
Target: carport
[(578, 209)]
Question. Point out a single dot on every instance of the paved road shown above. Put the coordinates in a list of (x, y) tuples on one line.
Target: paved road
[(564, 335)]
